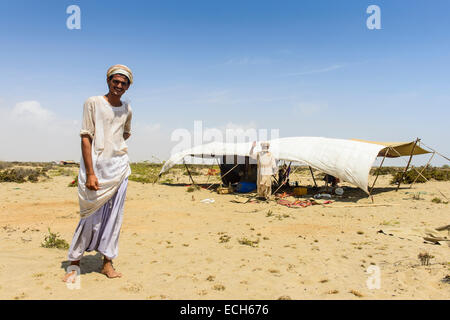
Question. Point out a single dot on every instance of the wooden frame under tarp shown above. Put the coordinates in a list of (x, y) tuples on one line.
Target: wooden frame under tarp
[(396, 150)]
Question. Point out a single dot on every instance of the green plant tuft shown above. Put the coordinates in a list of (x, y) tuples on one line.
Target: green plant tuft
[(52, 241)]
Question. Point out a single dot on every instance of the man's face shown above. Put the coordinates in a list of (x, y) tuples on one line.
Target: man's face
[(118, 84)]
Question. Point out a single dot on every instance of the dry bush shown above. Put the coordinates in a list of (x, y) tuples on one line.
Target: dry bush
[(21, 175), (431, 173)]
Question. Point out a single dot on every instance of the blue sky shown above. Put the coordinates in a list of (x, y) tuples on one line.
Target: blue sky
[(307, 68)]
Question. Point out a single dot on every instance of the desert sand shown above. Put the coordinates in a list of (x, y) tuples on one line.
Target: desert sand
[(172, 246)]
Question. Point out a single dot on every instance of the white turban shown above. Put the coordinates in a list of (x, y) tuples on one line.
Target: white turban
[(120, 69), (265, 145)]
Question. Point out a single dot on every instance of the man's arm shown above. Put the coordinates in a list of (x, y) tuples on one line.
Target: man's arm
[(252, 155), (86, 150)]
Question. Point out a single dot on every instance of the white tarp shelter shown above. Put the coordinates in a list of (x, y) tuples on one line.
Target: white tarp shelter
[(348, 160)]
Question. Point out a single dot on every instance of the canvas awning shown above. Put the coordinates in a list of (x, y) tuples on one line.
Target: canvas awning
[(397, 149)]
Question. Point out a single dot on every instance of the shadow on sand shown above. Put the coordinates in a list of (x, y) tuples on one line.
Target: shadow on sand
[(351, 194), (88, 264)]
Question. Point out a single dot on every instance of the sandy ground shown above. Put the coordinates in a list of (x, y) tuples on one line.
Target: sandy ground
[(172, 246)]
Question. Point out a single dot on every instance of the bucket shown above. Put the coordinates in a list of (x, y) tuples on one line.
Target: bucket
[(244, 187), (300, 191)]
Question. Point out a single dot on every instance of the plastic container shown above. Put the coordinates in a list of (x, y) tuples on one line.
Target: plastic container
[(322, 196), (339, 191), (244, 187), (300, 191)]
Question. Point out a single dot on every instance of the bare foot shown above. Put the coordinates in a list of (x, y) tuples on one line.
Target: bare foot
[(109, 271), (68, 276)]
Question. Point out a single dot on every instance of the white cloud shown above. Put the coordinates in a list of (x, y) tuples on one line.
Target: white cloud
[(309, 108), (31, 132), (31, 111), (327, 69), (214, 97), (249, 61), (240, 126)]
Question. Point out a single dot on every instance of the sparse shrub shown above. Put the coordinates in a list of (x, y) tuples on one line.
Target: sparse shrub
[(436, 200), (219, 287), (416, 196), (390, 223), (192, 188), (74, 183), (61, 171), (21, 175), (356, 293), (5, 165), (224, 238), (424, 258), (248, 242), (52, 241)]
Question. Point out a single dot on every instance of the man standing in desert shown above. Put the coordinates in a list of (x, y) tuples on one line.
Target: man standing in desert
[(266, 168), (104, 171)]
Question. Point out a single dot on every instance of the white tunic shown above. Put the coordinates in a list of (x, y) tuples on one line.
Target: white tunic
[(267, 165), (105, 124)]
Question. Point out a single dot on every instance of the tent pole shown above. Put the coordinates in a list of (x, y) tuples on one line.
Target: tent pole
[(412, 166), (212, 166), (420, 173), (376, 178), (407, 166), (283, 183), (189, 173), (217, 160), (312, 174), (224, 175)]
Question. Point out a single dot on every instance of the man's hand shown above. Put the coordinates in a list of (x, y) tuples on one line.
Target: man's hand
[(92, 182)]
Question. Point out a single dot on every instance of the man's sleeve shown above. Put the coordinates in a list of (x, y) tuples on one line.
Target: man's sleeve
[(88, 122), (253, 154), (274, 165), (127, 128)]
